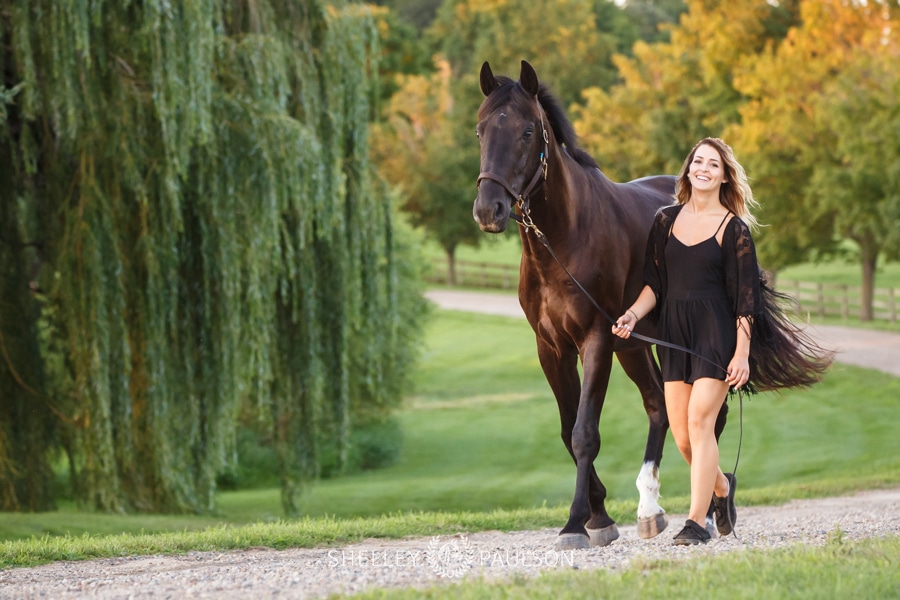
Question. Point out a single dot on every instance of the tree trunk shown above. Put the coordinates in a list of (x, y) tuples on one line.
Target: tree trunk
[(451, 266)]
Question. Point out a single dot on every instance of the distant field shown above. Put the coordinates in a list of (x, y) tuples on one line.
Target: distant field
[(506, 249)]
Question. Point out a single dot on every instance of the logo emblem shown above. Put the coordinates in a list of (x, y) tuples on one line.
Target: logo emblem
[(450, 559)]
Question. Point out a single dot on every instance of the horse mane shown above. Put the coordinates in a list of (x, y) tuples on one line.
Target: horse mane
[(556, 116)]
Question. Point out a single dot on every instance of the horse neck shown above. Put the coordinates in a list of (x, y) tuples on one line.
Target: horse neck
[(567, 200)]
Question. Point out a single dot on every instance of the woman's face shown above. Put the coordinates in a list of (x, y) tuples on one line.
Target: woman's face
[(706, 172)]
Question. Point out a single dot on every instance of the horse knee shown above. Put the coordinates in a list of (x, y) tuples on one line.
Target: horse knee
[(585, 443)]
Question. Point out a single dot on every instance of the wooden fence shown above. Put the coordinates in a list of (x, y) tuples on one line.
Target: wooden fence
[(838, 300), (476, 274), (820, 299)]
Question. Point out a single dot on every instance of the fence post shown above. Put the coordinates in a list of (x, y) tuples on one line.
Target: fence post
[(820, 291), (845, 302), (892, 304)]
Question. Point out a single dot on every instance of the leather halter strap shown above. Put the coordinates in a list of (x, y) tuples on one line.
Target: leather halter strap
[(522, 198)]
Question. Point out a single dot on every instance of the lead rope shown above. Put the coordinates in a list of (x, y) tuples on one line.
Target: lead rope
[(527, 222)]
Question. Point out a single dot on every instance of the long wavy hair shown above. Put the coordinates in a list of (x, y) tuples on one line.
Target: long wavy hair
[(735, 193)]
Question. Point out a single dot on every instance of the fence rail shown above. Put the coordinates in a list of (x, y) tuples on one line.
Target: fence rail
[(840, 300), (820, 299), (476, 274)]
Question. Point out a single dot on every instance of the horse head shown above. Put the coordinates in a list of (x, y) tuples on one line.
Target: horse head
[(514, 137)]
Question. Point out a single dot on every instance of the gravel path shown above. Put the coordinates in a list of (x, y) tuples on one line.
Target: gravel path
[(419, 562)]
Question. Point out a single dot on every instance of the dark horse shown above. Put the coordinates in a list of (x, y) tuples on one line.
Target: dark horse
[(598, 229)]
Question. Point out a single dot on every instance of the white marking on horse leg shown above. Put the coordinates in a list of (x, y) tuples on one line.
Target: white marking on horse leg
[(648, 487)]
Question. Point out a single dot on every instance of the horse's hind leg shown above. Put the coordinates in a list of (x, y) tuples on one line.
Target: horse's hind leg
[(642, 369)]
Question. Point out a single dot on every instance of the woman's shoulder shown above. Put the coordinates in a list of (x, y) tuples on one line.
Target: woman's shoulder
[(736, 225), (666, 214)]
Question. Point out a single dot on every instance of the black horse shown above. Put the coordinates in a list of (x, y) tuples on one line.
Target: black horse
[(598, 229)]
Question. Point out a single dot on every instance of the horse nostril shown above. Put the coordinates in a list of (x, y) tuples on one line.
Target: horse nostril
[(499, 210)]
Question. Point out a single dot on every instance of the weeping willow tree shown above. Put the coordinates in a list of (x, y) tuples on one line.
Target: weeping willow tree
[(189, 225)]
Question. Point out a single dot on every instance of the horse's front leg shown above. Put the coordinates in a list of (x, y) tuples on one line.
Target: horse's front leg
[(560, 367), (589, 523)]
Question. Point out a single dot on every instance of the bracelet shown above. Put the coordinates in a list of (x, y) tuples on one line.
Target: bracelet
[(636, 318)]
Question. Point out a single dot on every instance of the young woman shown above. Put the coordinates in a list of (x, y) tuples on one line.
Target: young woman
[(703, 283)]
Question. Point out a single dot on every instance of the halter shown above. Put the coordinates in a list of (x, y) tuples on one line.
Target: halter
[(522, 198)]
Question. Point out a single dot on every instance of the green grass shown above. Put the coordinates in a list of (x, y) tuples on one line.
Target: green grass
[(482, 451), (504, 248), (840, 569), (887, 275)]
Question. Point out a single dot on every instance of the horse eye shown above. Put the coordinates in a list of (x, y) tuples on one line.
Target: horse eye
[(528, 133)]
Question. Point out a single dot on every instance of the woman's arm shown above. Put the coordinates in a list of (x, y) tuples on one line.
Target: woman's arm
[(739, 367), (645, 303)]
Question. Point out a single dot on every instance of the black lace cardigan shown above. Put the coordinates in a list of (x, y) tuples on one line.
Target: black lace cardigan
[(782, 355)]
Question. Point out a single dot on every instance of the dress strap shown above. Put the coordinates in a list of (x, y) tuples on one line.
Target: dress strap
[(728, 214)]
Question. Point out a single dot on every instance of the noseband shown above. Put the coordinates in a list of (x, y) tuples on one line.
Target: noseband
[(522, 198)]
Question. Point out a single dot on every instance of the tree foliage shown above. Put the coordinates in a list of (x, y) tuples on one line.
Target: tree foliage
[(561, 37), (189, 225), (818, 129), (676, 92), (421, 144), (425, 145)]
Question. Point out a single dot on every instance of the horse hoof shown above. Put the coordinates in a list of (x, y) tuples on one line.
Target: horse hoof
[(573, 541), (603, 537), (648, 527)]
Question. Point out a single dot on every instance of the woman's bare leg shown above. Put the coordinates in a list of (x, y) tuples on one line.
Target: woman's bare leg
[(706, 398)]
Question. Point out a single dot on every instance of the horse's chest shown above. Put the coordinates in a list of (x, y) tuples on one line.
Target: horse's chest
[(559, 314)]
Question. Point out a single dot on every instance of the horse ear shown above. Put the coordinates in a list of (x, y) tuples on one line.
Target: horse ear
[(488, 81), (528, 78)]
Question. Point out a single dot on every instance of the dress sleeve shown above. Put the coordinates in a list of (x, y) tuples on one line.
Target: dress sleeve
[(654, 257), (742, 273)]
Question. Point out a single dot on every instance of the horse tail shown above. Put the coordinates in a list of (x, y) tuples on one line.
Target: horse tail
[(782, 354)]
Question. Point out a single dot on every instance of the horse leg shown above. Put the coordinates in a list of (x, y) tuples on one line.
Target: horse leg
[(589, 504), (561, 371), (641, 368)]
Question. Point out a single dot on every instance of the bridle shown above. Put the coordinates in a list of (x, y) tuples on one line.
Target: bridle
[(522, 199)]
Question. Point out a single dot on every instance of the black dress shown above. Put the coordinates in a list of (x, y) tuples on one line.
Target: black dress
[(700, 290)]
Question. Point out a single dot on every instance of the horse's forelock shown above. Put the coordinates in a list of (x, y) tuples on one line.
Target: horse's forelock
[(499, 97)]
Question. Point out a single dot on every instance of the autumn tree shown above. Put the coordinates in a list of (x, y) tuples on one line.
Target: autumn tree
[(817, 132), (425, 145), (422, 150), (189, 224), (677, 92), (559, 37)]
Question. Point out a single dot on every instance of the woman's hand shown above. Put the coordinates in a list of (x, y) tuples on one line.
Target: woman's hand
[(738, 372), (625, 324)]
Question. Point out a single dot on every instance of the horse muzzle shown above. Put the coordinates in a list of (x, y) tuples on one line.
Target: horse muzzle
[(492, 215), (493, 204)]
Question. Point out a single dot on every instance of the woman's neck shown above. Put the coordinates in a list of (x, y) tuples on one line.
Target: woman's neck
[(703, 203)]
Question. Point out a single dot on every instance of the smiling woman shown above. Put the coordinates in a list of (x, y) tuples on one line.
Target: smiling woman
[(703, 281)]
